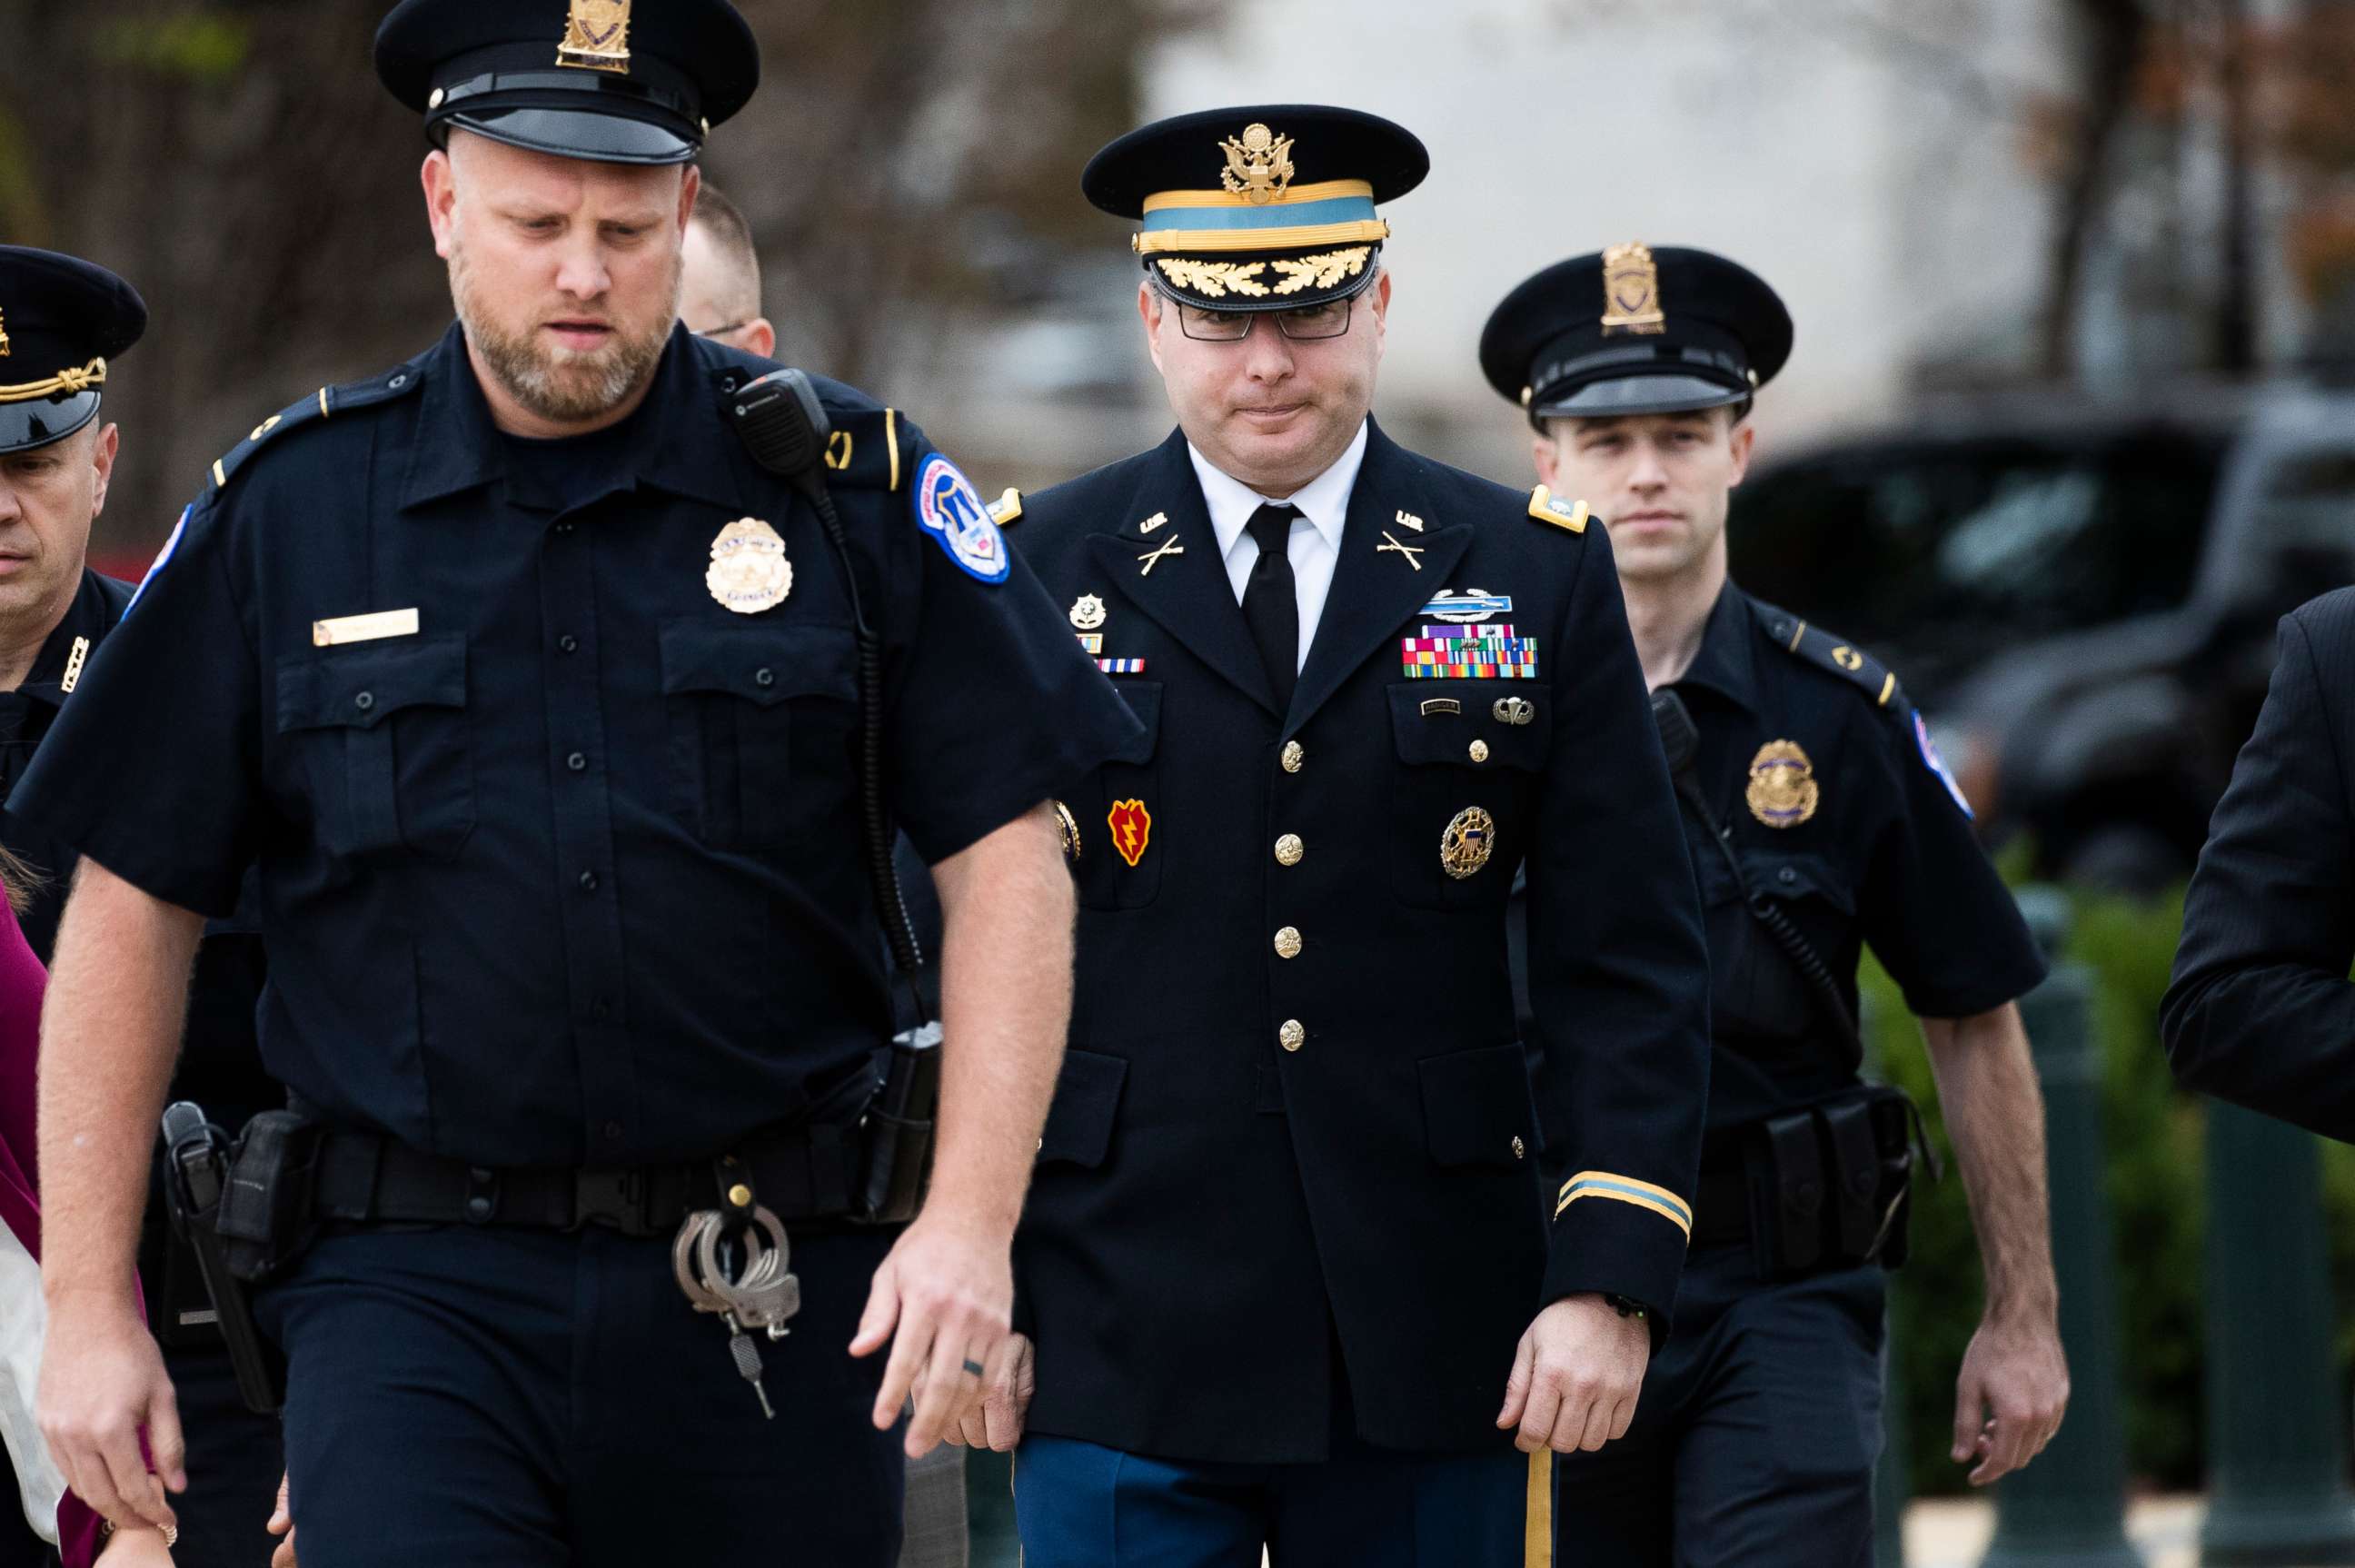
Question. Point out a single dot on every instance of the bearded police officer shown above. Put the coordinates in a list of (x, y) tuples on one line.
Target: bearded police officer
[(65, 325), (1820, 820), (1307, 1257), (538, 698)]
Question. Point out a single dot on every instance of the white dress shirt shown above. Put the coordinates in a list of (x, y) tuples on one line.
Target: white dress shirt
[(1316, 543)]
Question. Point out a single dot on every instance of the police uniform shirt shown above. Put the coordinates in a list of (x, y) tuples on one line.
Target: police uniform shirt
[(1823, 779), (559, 858), (26, 715), (1316, 539)]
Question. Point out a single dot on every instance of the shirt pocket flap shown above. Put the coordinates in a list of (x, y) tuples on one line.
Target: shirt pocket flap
[(1476, 1106), (1511, 722), (1788, 877), (763, 665), (1087, 1097), (360, 688), (1144, 701)]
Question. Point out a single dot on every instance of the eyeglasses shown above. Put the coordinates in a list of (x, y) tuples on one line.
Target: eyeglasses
[(724, 331), (1307, 323)]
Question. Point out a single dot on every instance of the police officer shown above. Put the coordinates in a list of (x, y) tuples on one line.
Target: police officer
[(719, 289), (2259, 1011), (67, 324), (1820, 819), (1307, 1257), (538, 701)]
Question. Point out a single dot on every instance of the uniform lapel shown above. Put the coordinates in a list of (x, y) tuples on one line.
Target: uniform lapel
[(1186, 591), (1375, 589)]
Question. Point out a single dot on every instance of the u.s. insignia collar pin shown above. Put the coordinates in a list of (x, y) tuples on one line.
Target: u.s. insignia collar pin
[(1152, 522), (597, 36), (1631, 290), (748, 571), (1783, 791), (1088, 613), (1259, 164)]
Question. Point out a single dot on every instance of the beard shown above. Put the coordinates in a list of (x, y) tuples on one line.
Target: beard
[(565, 386)]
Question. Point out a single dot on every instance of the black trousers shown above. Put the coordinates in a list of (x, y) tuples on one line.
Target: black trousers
[(1755, 1439), (234, 1463), (488, 1398)]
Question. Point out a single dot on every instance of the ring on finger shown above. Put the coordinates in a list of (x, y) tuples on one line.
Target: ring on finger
[(973, 1368)]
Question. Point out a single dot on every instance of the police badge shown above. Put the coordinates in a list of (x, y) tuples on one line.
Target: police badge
[(748, 571), (1783, 791), (597, 36), (1631, 290)]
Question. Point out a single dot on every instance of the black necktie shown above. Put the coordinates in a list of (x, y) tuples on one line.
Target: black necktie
[(1271, 605)]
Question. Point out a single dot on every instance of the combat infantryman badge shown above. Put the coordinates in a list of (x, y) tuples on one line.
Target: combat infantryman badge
[(1259, 164), (597, 36), (1087, 613), (748, 571), (1470, 839), (1782, 792), (1631, 291), (1132, 828)]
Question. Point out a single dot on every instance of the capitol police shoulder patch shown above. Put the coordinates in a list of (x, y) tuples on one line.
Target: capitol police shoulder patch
[(952, 511)]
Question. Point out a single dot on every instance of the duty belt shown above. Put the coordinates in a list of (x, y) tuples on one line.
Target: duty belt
[(809, 1173)]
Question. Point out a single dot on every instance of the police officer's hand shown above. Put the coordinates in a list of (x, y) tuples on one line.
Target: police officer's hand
[(996, 1421), (947, 1289), (2012, 1394), (1576, 1376), (103, 1380), (282, 1522)]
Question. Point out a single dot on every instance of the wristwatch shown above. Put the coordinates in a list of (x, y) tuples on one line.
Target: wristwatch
[(1627, 1307)]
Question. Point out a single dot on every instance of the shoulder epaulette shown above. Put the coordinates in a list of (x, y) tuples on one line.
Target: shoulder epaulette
[(1824, 651), (324, 403), (1007, 508), (868, 449), (1545, 508)]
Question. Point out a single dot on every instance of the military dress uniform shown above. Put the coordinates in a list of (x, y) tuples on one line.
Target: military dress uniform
[(1813, 801), (1298, 1196), (545, 753), (74, 320)]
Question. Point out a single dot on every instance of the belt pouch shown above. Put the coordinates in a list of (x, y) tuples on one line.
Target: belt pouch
[(265, 1211), (1792, 1193), (1855, 1178), (895, 1134)]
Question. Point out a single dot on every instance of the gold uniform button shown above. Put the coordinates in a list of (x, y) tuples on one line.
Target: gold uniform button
[(1287, 942), (1479, 751), (1292, 1036), (1518, 1150), (740, 1196), (1294, 756), (1289, 849)]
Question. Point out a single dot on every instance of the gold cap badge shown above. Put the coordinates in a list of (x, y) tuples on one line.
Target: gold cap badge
[(597, 36), (1631, 290), (748, 571), (1259, 164), (1783, 791)]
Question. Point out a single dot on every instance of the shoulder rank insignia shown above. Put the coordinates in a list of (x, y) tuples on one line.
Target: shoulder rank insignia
[(1822, 649), (1545, 508), (864, 449), (324, 403), (1005, 508)]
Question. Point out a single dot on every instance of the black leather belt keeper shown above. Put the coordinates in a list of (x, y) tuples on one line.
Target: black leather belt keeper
[(811, 1173)]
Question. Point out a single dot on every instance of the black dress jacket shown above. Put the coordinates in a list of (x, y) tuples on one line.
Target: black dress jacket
[(1296, 1138), (2261, 1011)]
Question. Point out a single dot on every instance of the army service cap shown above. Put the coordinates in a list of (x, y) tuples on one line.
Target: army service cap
[(1267, 207), (1632, 330), (61, 321), (612, 82)]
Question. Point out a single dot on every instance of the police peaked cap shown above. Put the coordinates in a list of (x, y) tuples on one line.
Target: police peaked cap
[(617, 81), (1633, 330), (62, 321), (1264, 207)]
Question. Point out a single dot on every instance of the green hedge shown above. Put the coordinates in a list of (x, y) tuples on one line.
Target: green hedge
[(2153, 1131)]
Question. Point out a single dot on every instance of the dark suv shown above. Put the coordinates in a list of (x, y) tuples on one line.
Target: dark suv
[(2080, 594)]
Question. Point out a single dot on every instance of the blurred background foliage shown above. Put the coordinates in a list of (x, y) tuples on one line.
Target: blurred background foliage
[(2153, 1133)]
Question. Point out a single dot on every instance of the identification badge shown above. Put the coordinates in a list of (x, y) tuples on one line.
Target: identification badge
[(371, 628), (1783, 791), (748, 571)]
